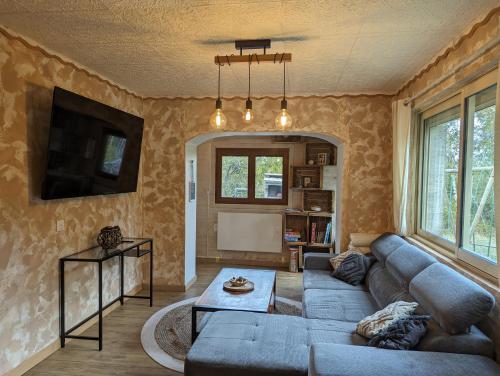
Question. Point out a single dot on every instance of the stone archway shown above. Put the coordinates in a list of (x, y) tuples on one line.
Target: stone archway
[(190, 175)]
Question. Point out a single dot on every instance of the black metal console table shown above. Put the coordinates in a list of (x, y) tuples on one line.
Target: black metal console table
[(130, 247)]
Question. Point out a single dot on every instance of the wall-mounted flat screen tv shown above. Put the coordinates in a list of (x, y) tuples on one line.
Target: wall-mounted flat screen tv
[(94, 149)]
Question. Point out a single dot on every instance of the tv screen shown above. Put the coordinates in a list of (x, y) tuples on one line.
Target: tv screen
[(94, 149)]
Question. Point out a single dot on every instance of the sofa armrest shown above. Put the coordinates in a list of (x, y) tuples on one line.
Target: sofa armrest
[(349, 360), (317, 261)]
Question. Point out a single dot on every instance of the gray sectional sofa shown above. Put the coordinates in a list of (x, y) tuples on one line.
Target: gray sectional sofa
[(323, 341)]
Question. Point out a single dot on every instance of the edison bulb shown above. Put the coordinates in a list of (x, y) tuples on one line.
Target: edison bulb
[(248, 115), (218, 119), (283, 120)]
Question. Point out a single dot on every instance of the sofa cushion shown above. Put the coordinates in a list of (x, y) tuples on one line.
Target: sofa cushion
[(333, 331), (384, 245), (353, 268), (454, 301), (342, 360), (384, 288), (406, 262), (337, 260), (247, 343), (322, 279), (317, 261), (473, 342), (402, 334), (343, 305), (380, 320)]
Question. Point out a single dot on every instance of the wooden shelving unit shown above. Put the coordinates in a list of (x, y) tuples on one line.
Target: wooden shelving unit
[(313, 181)]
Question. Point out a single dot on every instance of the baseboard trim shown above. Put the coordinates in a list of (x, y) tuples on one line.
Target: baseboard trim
[(264, 263), (55, 345), (191, 283)]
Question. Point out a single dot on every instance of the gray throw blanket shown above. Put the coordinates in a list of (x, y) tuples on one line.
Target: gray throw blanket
[(403, 334)]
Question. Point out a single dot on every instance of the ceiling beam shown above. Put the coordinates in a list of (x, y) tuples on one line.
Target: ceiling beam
[(254, 58)]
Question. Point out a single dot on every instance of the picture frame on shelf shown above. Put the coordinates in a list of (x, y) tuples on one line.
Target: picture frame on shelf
[(323, 159)]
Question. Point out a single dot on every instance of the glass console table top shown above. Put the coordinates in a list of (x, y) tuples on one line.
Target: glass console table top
[(97, 253)]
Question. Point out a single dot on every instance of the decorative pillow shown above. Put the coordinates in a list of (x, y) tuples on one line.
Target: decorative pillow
[(402, 334), (337, 260), (380, 320), (354, 268)]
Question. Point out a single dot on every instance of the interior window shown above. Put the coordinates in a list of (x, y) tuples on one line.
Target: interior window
[(478, 220), (234, 176), (251, 176), (269, 177)]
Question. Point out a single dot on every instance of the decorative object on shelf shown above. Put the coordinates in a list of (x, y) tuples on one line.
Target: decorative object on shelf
[(109, 237), (248, 114), (323, 159), (316, 208), (310, 162), (315, 148), (284, 120), (238, 284), (294, 260), (218, 119), (306, 181)]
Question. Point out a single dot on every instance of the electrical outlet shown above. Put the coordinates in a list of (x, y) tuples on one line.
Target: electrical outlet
[(60, 225)]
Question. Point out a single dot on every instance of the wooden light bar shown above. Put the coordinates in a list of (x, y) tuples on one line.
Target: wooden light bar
[(254, 58)]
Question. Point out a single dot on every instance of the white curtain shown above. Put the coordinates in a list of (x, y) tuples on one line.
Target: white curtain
[(401, 132)]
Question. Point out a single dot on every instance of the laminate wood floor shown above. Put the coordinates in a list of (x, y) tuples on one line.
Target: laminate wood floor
[(122, 352)]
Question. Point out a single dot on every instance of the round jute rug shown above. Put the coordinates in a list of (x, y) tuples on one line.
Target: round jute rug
[(166, 336)]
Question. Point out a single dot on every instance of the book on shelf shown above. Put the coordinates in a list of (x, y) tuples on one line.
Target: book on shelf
[(292, 236), (328, 233), (313, 232)]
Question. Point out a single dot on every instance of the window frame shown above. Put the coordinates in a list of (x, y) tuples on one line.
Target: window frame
[(454, 249), (252, 154)]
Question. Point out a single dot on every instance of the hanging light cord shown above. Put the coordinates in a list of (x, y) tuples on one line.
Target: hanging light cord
[(249, 63), (218, 85), (284, 80)]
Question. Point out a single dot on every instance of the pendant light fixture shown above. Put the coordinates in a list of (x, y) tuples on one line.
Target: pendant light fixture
[(218, 119), (248, 114), (283, 120)]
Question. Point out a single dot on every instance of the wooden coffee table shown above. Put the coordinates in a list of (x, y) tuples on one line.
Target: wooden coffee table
[(261, 299)]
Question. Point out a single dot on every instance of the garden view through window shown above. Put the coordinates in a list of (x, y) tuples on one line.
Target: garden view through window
[(456, 199), (441, 151), (478, 233), (252, 176), (235, 176)]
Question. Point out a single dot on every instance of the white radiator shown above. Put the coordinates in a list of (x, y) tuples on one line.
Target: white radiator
[(254, 232)]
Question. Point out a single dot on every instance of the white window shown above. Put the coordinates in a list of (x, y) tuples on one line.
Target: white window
[(456, 208)]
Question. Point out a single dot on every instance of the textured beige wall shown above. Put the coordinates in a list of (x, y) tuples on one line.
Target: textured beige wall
[(363, 124), (29, 245), (470, 42)]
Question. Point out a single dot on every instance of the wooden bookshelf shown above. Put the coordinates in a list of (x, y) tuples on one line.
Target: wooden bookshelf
[(315, 180), (301, 222)]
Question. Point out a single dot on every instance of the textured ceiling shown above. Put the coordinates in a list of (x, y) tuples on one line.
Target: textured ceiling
[(166, 47)]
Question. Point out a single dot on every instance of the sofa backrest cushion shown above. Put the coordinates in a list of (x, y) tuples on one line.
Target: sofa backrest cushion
[(406, 262), (385, 244), (384, 288), (454, 301)]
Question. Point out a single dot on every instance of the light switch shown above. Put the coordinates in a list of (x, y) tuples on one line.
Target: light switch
[(60, 225)]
